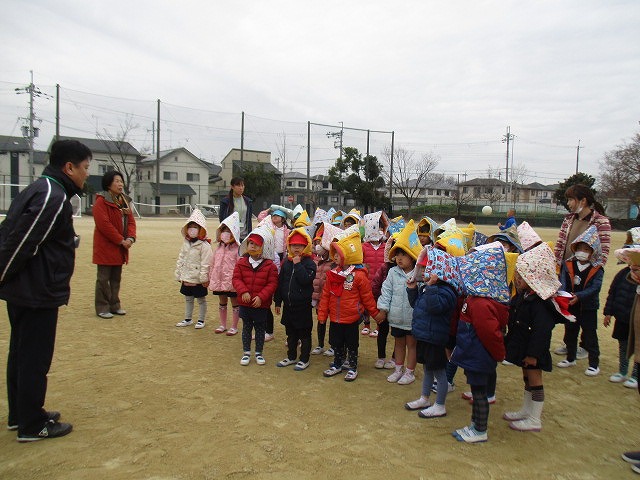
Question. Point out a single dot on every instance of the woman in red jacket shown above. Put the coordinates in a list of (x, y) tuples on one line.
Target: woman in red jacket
[(113, 236)]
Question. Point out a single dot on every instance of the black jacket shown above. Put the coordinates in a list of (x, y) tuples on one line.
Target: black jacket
[(295, 283), (622, 293), (226, 208), (37, 243)]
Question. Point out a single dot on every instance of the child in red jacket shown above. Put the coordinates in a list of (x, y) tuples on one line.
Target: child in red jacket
[(346, 297), (255, 279), (373, 242)]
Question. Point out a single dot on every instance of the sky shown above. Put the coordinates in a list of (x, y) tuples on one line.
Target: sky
[(447, 78)]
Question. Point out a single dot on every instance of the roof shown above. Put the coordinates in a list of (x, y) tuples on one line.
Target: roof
[(174, 189), (294, 175), (150, 159), (97, 145), (13, 144), (267, 166), (483, 182)]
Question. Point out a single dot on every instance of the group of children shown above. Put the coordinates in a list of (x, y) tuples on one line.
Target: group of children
[(449, 296)]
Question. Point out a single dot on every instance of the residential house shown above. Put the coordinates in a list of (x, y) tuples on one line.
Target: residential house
[(432, 190), (16, 172), (321, 192), (184, 182)]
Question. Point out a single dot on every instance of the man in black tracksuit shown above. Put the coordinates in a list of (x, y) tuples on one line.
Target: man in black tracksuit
[(37, 256)]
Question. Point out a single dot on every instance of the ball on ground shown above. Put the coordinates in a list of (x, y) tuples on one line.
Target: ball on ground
[(487, 210)]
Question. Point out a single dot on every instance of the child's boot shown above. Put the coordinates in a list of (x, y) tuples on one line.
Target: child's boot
[(523, 412), (533, 422), (222, 313)]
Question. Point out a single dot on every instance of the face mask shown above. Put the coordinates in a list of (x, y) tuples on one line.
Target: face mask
[(225, 237), (193, 232), (577, 212), (319, 250), (582, 256)]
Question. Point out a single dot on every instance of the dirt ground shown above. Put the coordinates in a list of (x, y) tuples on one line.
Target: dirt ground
[(152, 401)]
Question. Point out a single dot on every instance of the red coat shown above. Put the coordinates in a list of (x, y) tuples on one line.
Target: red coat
[(372, 258), (110, 232), (261, 282), (346, 305)]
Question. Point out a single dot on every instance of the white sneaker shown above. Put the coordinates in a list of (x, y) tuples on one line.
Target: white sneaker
[(395, 376), (199, 324), (389, 365), (260, 360), (562, 350), (434, 411), (246, 358), (317, 351), (407, 378), (184, 323), (617, 378), (592, 371), (526, 425), (300, 366), (379, 363), (631, 383), (418, 404), (470, 435), (581, 354), (566, 363), (328, 352)]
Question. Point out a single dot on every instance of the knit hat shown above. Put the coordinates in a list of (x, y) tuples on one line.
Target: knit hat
[(347, 247), (408, 241), (630, 256), (537, 267), (320, 216), (232, 222), (484, 273), (302, 220), (196, 217), (396, 225), (373, 223), (590, 237), (265, 232), (441, 263), (510, 235), (528, 236)]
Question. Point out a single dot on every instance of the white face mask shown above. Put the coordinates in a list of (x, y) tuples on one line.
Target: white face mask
[(225, 237), (192, 232), (582, 256), (578, 210)]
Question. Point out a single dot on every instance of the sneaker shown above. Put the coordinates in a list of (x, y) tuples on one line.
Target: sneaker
[(467, 396), (365, 331), (331, 371), (105, 315), (631, 457), (434, 411), (328, 352), (581, 354), (317, 351), (221, 329), (450, 387), (51, 416), (351, 376), (419, 404), (526, 425), (561, 350), (470, 435), (379, 364), (389, 365), (184, 323), (631, 383), (268, 337), (245, 359), (301, 366), (592, 371), (120, 311), (285, 363), (199, 324), (373, 333), (231, 332), (617, 378), (395, 376), (407, 379), (566, 363), (636, 467), (260, 360), (51, 429)]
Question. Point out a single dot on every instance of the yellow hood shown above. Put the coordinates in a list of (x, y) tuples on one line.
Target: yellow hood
[(348, 248)]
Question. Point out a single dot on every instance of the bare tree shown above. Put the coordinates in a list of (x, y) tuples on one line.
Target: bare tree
[(519, 174), (120, 151), (461, 199), (411, 176)]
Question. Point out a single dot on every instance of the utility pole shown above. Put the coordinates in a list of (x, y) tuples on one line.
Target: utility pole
[(507, 139), (28, 131), (338, 135), (578, 155)]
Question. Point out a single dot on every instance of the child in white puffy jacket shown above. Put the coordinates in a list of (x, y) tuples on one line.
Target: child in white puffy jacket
[(192, 268)]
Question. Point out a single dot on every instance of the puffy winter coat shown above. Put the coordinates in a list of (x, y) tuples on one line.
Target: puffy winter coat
[(259, 282), (394, 299), (193, 262), (479, 340), (223, 261), (589, 294), (346, 299), (381, 276), (622, 293), (373, 258), (112, 227), (531, 323), (37, 248), (295, 282), (433, 306), (323, 266)]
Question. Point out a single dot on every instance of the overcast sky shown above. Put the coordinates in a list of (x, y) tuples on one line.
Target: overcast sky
[(446, 77)]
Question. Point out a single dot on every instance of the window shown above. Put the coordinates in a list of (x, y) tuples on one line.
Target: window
[(438, 192), (170, 175), (148, 174), (288, 183), (334, 199), (104, 168), (325, 184), (464, 189), (193, 177), (302, 184)]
